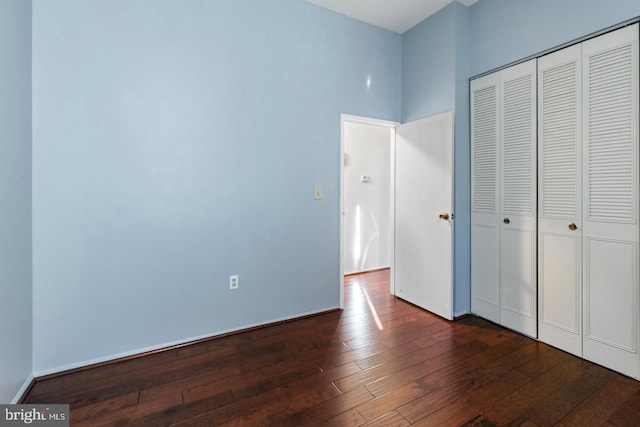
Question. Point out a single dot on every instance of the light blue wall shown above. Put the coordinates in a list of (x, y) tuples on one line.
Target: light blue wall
[(462, 164), (434, 80), (504, 31), (179, 142), (15, 197), (428, 66)]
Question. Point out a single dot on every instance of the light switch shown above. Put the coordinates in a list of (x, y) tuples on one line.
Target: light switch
[(317, 193)]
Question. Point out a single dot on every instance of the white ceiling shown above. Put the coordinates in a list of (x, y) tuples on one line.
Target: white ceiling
[(393, 15)]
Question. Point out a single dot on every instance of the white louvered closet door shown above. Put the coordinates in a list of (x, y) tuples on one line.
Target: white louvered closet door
[(503, 198), (517, 219), (484, 197), (559, 187), (610, 200)]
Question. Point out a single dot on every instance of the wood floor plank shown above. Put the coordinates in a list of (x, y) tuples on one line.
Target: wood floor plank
[(601, 405), (627, 412), (381, 371), (342, 368), (268, 408), (469, 406), (440, 397), (134, 415), (512, 406), (187, 410), (394, 399), (545, 362), (391, 419), (345, 419), (454, 363), (477, 373), (559, 403), (506, 381), (330, 408), (99, 409), (258, 383)]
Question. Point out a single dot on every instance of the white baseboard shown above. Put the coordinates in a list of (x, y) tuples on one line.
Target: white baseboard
[(23, 390), (58, 369)]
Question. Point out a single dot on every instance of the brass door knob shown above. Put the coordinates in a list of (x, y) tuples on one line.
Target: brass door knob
[(573, 226), (444, 216), (506, 221)]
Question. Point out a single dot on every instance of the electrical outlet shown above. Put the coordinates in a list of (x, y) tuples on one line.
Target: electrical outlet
[(233, 282)]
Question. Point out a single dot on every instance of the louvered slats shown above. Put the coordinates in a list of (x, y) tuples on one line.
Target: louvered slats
[(518, 162), (558, 141), (610, 136), (503, 217), (485, 154)]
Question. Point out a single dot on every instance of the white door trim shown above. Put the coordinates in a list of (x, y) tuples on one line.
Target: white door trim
[(347, 118)]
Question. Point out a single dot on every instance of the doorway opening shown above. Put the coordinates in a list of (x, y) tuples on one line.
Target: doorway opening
[(416, 203), (367, 171)]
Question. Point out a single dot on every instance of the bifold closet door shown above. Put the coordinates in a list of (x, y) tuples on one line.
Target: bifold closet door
[(560, 190), (517, 219), (588, 200), (610, 200), (503, 197), (484, 197)]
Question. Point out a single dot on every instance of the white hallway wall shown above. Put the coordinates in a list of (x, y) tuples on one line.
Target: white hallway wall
[(367, 205)]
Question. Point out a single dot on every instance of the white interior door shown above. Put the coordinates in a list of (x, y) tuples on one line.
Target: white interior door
[(424, 213)]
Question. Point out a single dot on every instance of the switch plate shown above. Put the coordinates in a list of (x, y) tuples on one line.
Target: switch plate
[(317, 193), (233, 282)]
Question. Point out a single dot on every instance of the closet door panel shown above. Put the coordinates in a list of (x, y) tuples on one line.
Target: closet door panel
[(517, 278), (559, 215), (611, 304), (484, 197), (610, 209), (560, 290), (610, 292), (484, 271), (517, 218)]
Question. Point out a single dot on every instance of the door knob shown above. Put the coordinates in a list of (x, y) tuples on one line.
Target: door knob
[(444, 216), (573, 226), (506, 221)]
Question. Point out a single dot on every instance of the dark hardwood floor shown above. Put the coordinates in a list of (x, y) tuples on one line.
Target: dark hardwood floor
[(380, 362)]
